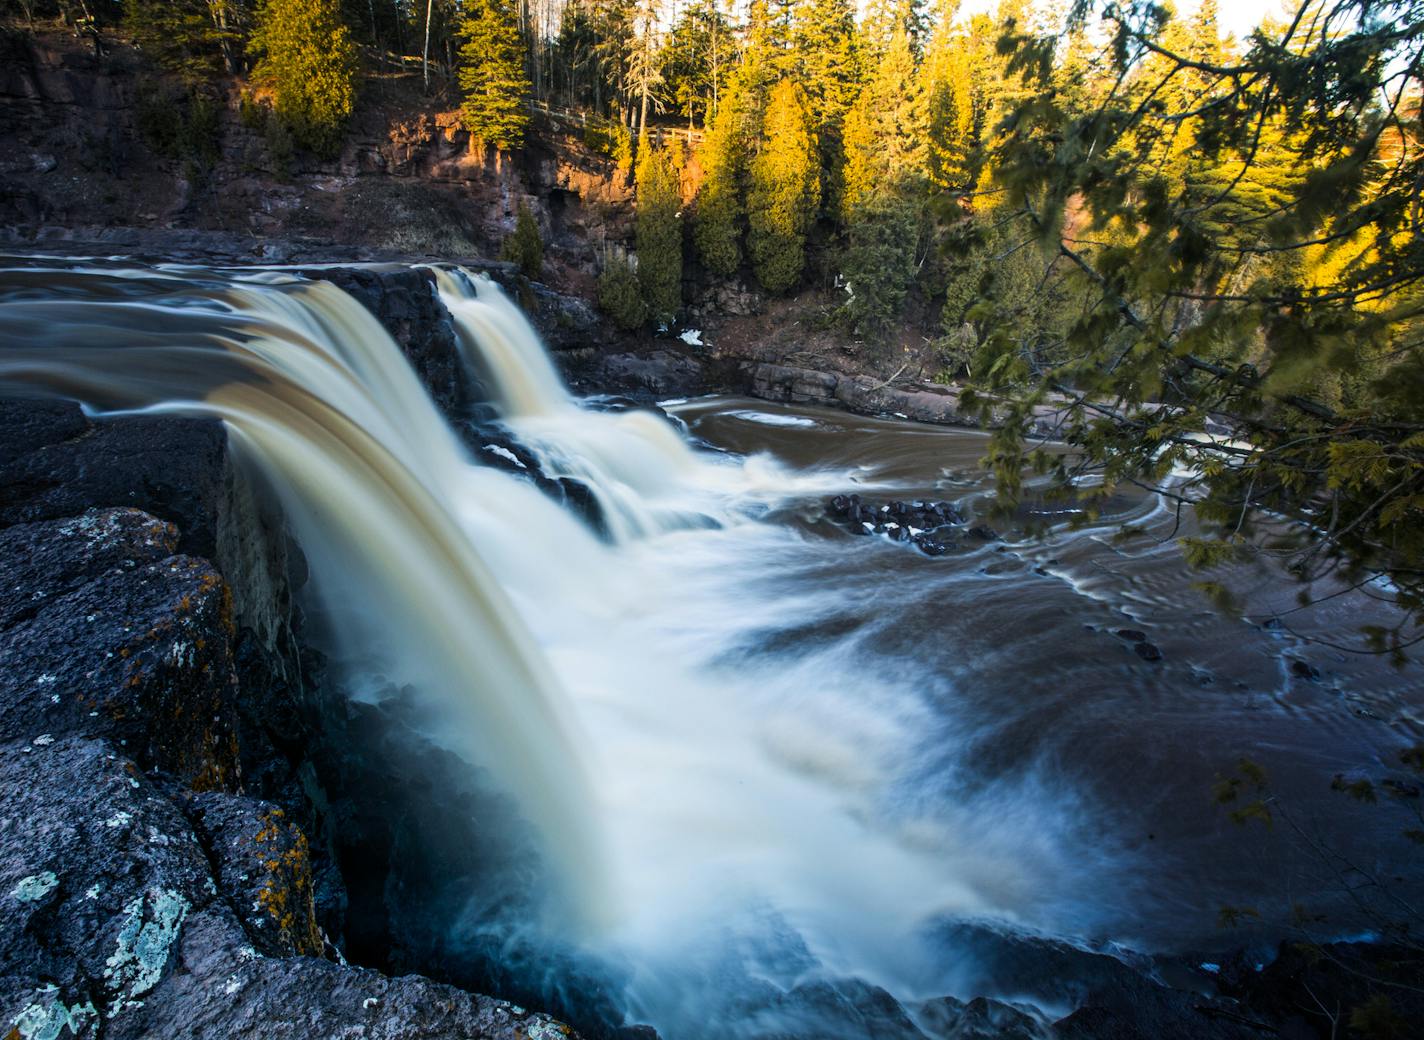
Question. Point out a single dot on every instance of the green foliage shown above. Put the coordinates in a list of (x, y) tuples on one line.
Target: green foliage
[(1233, 227), (309, 59), (696, 59), (785, 190), (718, 227), (880, 259), (185, 37), (525, 247), (611, 139), (619, 294), (658, 232), (179, 124), (492, 74)]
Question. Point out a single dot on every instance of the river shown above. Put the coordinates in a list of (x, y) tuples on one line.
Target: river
[(757, 750)]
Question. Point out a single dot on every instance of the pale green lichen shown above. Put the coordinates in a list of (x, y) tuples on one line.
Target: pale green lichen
[(151, 926), (35, 887), (48, 1017)]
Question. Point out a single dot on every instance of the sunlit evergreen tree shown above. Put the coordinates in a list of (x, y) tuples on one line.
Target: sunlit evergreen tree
[(658, 230), (492, 74), (785, 190), (307, 55)]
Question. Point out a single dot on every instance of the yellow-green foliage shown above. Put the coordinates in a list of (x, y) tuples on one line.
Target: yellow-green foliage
[(611, 138), (884, 130), (309, 58), (659, 233), (717, 229), (492, 74), (785, 190)]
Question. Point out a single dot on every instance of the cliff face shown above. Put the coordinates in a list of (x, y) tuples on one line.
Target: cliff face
[(408, 180)]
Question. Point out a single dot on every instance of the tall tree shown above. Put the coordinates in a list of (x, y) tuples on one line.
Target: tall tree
[(307, 55), (884, 197), (785, 190), (492, 75), (658, 230)]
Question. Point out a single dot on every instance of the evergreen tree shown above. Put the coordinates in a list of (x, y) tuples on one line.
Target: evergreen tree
[(308, 57), (492, 75), (785, 190), (717, 227), (827, 65), (658, 230), (696, 58), (885, 187), (525, 247), (952, 117), (619, 294), (194, 38), (1201, 267), (885, 129)]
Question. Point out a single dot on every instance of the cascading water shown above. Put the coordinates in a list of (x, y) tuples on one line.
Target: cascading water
[(767, 782), (644, 475)]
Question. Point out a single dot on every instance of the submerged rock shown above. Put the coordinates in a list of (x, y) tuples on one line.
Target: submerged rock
[(929, 526)]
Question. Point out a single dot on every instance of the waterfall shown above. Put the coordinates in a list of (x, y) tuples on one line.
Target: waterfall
[(644, 475), (725, 822), (397, 523)]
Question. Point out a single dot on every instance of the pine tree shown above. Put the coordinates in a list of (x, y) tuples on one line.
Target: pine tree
[(658, 230), (308, 57), (823, 39), (717, 228), (194, 38), (492, 75), (785, 190), (885, 129), (619, 294), (696, 58)]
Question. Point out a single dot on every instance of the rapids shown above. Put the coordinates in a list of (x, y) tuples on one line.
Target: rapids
[(756, 753)]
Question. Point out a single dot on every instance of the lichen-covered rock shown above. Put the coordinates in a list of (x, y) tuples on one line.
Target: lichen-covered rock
[(112, 642), (112, 924), (99, 875), (263, 869), (45, 560)]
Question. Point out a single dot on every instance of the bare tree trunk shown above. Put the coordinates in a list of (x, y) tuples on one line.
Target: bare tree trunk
[(425, 54)]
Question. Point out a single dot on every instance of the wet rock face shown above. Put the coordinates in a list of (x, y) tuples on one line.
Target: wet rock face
[(56, 463), (658, 374), (112, 923), (404, 300), (105, 632)]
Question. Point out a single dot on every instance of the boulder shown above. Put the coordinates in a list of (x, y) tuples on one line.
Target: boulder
[(106, 633)]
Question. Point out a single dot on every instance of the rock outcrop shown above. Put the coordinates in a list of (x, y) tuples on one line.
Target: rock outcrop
[(113, 921)]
